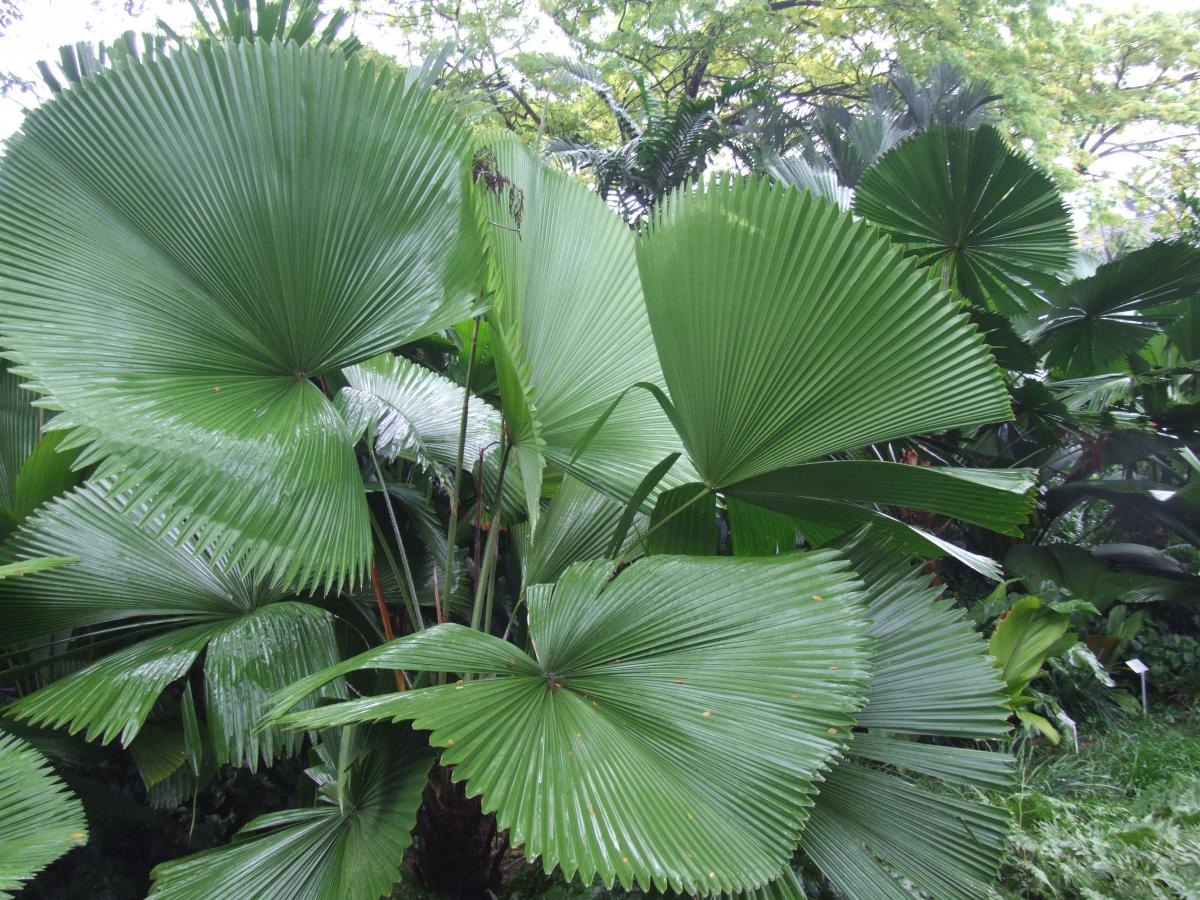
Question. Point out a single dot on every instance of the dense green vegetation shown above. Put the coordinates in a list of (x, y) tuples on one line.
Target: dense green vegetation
[(759, 498)]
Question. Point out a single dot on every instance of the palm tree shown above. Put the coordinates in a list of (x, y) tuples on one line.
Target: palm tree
[(664, 144), (233, 273), (838, 144)]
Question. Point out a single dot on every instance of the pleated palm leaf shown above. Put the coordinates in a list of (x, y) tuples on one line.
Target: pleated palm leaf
[(40, 819), (809, 176), (874, 831), (349, 844), (1094, 322), (787, 333), (946, 97), (570, 329), (245, 219), (980, 212), (849, 142), (171, 607), (667, 731)]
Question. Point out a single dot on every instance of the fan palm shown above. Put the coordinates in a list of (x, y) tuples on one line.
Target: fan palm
[(283, 221), (991, 222), (226, 330)]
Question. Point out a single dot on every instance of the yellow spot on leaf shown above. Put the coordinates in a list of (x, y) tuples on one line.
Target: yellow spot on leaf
[(708, 714), (794, 696), (833, 731), (450, 742), (818, 597), (679, 681), (833, 668), (77, 836), (591, 812), (216, 387), (625, 859), (691, 818), (712, 874), (579, 734)]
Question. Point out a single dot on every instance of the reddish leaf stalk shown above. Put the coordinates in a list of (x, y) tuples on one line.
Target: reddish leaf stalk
[(385, 618)]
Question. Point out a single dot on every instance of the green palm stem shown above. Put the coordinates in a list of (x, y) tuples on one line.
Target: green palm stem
[(414, 611), (452, 529), (437, 597), (488, 568), (414, 607), (479, 500), (487, 608), (513, 616)]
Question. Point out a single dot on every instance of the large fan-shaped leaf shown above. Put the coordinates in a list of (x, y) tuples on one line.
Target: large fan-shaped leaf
[(946, 847), (348, 847), (250, 659), (788, 331), (871, 830), (415, 412), (800, 173), (966, 202), (112, 697), (670, 727), (577, 526), (569, 312), (124, 572), (230, 458), (255, 644), (1099, 319), (931, 670), (40, 819), (188, 241)]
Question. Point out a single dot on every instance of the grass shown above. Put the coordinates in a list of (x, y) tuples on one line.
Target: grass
[(1120, 820)]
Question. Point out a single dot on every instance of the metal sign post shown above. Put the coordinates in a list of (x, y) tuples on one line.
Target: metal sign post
[(1141, 668)]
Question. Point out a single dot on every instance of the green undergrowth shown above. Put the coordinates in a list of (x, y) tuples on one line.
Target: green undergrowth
[(1119, 820)]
